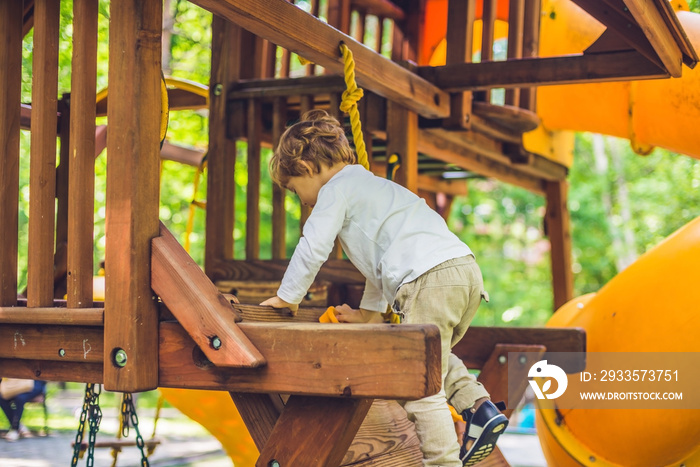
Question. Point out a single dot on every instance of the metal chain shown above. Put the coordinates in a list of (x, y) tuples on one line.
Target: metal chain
[(131, 411), (91, 410)]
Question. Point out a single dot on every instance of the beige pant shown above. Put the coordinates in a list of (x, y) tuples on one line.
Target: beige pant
[(447, 296)]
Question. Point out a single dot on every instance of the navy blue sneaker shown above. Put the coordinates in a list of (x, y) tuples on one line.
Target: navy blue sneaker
[(483, 428)]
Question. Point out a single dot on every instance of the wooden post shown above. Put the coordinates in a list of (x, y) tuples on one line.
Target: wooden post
[(42, 167), (81, 189), (402, 139), (133, 144), (488, 21), (10, 99), (222, 150), (252, 237), (516, 15), (557, 223), (461, 15), (531, 48), (279, 214)]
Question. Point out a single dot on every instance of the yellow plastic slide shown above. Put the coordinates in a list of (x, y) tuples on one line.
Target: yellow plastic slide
[(652, 306)]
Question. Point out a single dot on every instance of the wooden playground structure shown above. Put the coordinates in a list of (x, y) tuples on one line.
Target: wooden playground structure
[(164, 322)]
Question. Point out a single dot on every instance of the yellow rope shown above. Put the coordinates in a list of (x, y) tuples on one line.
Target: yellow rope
[(351, 96)]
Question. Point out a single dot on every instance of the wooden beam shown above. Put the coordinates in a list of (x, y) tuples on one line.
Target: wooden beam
[(658, 33), (476, 346), (447, 186), (402, 139), (531, 47), (336, 271), (52, 343), (524, 72), (290, 27), (52, 316), (461, 15), (198, 306), (558, 229), (10, 98), (311, 359), (286, 87), (79, 372), (381, 8), (259, 413), (42, 167), (330, 427), (133, 166), (81, 186), (516, 26), (221, 160)]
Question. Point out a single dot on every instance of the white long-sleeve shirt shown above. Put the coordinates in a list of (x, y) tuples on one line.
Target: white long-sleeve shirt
[(387, 232)]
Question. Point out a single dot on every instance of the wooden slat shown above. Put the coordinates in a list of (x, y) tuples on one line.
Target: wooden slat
[(198, 305), (286, 87), (42, 168), (279, 213), (133, 143), (292, 28), (531, 41), (516, 26), (221, 159), (55, 316), (10, 94), (44, 342), (252, 223), (259, 414), (79, 372), (81, 189), (311, 359), (558, 229), (475, 348), (336, 271), (488, 22), (592, 68), (382, 8), (461, 15), (330, 425), (402, 139), (658, 33)]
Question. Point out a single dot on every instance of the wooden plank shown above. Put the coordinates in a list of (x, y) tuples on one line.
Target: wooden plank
[(198, 306), (42, 166), (402, 139), (279, 213), (336, 271), (591, 68), (531, 47), (221, 159), (254, 292), (516, 26), (476, 347), (133, 144), (330, 425), (339, 15), (292, 28), (10, 97), (494, 374), (311, 359), (461, 15), (690, 56), (658, 33), (447, 186), (252, 237), (54, 316), (52, 371), (52, 343), (488, 31), (287, 87), (259, 414), (81, 189), (558, 229)]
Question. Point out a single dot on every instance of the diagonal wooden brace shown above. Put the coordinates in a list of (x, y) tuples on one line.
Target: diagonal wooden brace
[(193, 299)]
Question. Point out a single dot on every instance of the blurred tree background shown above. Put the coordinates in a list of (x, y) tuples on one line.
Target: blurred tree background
[(621, 204)]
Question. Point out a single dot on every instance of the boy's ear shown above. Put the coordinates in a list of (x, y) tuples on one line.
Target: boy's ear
[(309, 168)]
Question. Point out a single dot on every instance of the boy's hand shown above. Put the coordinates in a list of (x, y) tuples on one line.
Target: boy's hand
[(276, 302), (345, 314)]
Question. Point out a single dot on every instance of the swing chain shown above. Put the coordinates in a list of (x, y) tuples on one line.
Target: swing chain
[(93, 415), (129, 415)]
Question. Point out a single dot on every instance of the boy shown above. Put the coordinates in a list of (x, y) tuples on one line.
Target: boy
[(409, 259)]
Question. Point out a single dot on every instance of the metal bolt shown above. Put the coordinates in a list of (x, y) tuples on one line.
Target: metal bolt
[(502, 359), (522, 359), (274, 463), (61, 352), (218, 89), (216, 342), (591, 458), (120, 358)]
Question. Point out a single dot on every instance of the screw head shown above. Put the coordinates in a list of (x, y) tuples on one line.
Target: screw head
[(522, 359), (218, 89), (274, 463), (61, 352), (120, 358), (216, 343), (502, 359)]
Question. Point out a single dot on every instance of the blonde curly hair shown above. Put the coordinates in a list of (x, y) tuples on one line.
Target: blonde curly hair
[(317, 139)]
